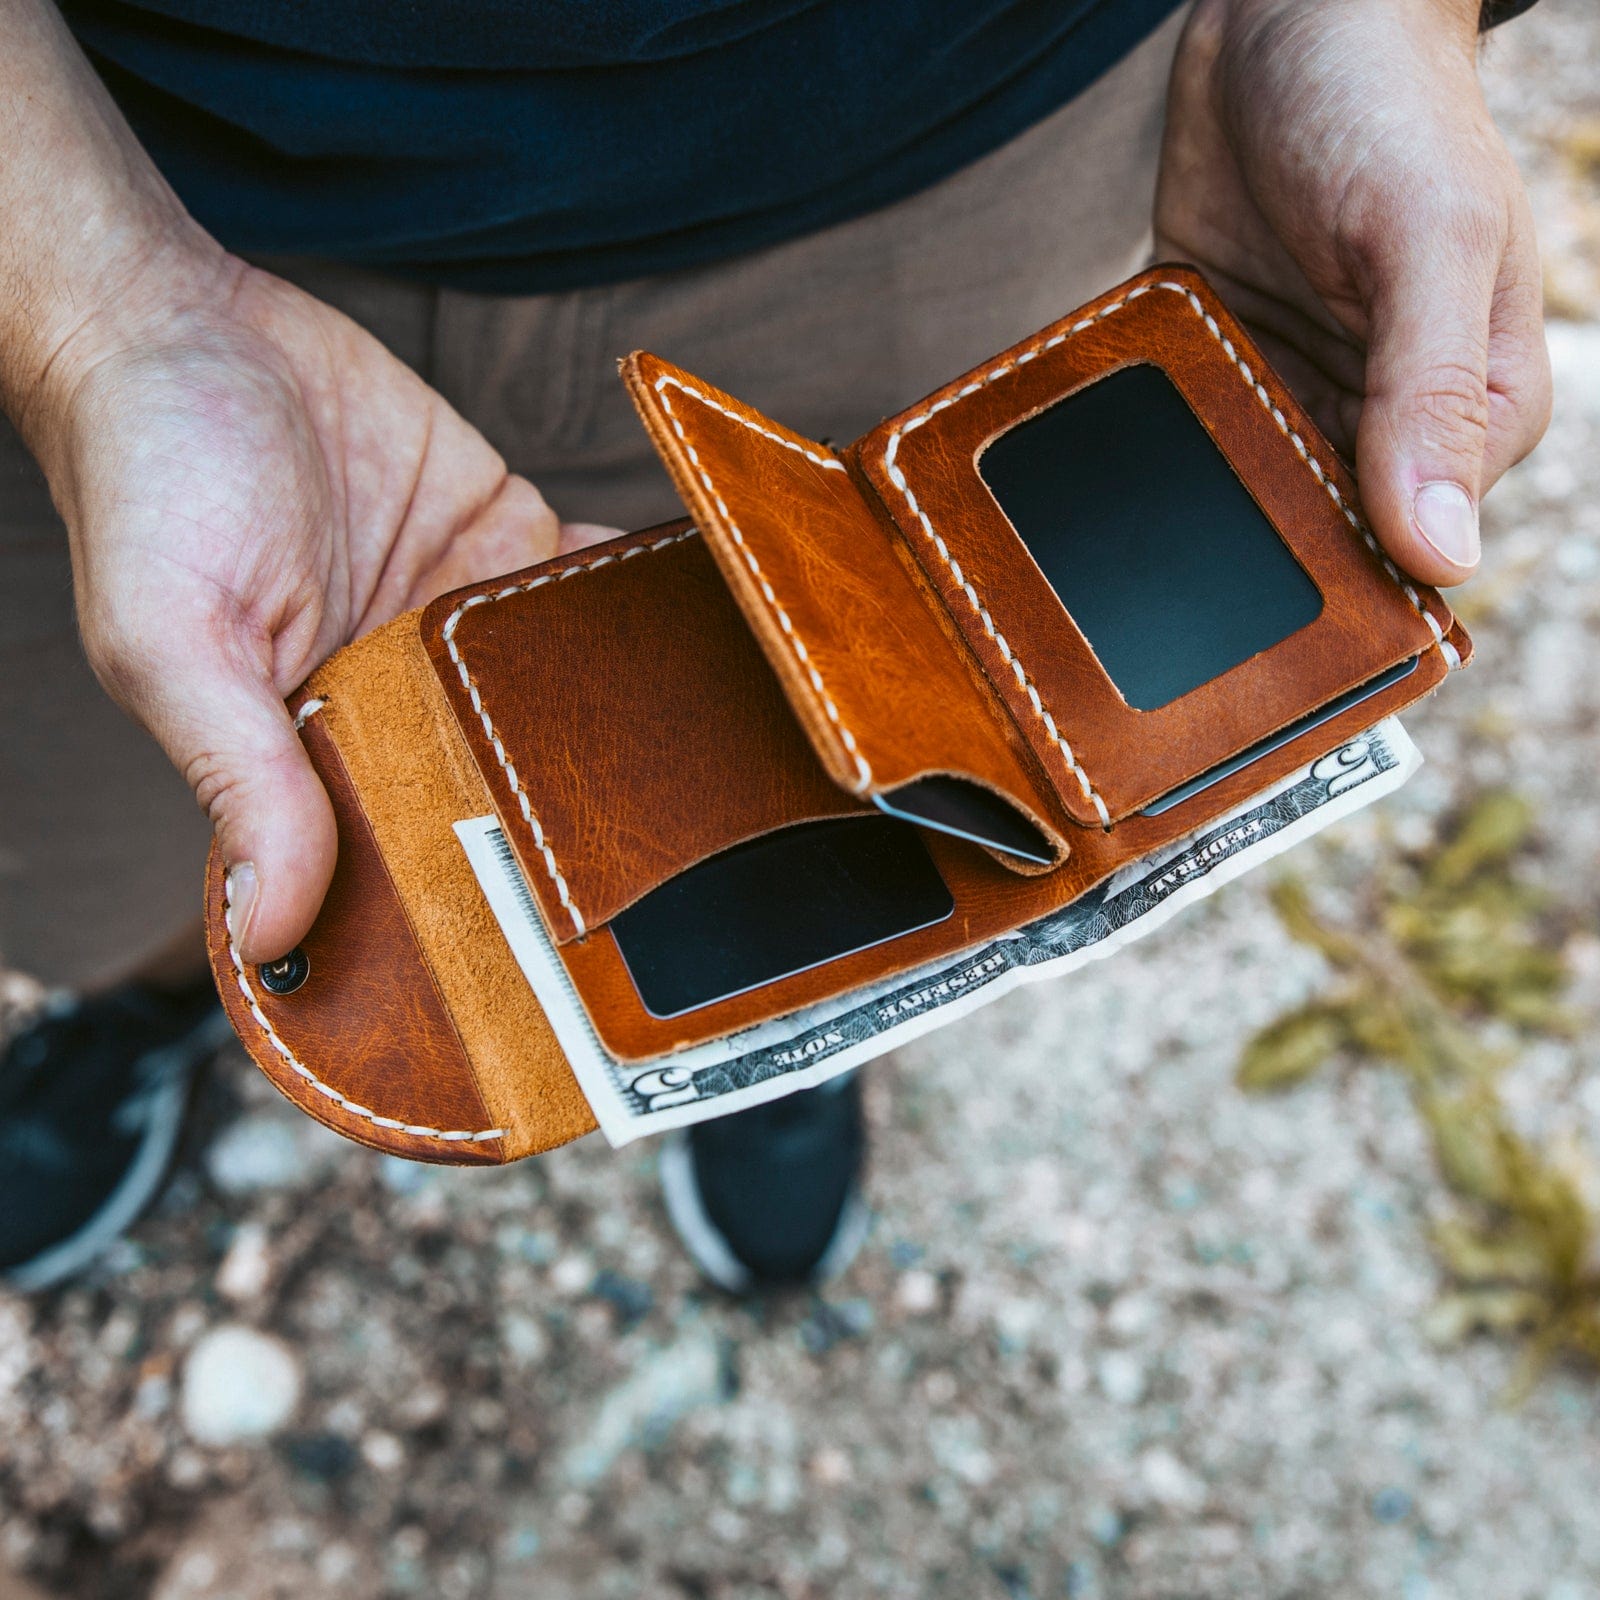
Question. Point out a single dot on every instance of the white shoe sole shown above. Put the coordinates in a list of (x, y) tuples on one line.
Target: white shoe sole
[(162, 1109)]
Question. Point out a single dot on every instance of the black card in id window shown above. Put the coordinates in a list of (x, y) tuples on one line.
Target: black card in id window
[(1157, 550), (777, 905)]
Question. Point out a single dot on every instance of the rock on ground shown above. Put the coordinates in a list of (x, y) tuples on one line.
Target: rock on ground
[(238, 1386)]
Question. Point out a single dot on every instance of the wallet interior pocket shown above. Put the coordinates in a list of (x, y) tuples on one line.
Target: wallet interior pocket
[(777, 906), (1156, 557), (1172, 576), (543, 677), (875, 671)]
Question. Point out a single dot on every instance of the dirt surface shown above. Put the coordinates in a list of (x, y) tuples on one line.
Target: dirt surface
[(1118, 1330)]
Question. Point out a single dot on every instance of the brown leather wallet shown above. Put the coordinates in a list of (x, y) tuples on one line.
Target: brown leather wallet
[(1060, 613)]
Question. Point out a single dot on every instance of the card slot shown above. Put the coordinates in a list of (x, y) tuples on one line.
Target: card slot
[(1264, 747), (626, 723), (878, 673), (954, 804), (775, 907), (1173, 577), (1196, 576)]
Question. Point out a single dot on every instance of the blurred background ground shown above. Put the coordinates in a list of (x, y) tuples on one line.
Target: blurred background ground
[(1119, 1330)]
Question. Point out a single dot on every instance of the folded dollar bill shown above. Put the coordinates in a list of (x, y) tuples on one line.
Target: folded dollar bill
[(632, 1099)]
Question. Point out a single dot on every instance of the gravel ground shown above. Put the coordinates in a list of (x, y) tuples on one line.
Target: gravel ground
[(1118, 1331)]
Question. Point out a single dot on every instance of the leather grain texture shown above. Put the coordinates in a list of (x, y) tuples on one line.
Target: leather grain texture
[(990, 900), (365, 1045), (624, 719), (875, 672), (1106, 759)]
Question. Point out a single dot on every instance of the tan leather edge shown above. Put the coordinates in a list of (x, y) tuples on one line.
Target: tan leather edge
[(406, 758), (302, 1060)]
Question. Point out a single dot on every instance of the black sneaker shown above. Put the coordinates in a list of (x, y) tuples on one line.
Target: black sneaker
[(92, 1099), (772, 1196)]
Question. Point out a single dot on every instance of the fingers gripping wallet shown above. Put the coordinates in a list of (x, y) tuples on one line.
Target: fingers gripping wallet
[(862, 710)]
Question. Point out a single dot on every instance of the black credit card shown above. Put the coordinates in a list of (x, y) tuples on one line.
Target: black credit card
[(1157, 550), (776, 905), (967, 810), (1275, 741)]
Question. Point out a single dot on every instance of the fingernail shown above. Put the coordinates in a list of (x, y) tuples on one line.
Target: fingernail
[(241, 900), (1447, 518)]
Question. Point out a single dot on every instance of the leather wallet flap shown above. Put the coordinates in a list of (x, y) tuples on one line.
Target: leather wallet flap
[(877, 676), (624, 720), (1212, 424)]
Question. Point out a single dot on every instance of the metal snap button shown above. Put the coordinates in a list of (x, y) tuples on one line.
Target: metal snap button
[(286, 974)]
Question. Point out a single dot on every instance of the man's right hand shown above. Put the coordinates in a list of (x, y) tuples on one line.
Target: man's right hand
[(249, 484), (248, 479)]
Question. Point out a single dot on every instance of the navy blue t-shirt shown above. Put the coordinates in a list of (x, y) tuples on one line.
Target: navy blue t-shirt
[(525, 145)]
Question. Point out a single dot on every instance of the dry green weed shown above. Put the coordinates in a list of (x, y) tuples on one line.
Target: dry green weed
[(1452, 949)]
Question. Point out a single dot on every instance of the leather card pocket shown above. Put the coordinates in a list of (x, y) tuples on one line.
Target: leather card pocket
[(1146, 542), (886, 691), (625, 721)]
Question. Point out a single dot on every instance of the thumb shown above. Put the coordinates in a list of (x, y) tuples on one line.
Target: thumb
[(1425, 422), (231, 736)]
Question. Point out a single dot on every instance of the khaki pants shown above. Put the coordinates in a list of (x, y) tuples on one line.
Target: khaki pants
[(101, 846)]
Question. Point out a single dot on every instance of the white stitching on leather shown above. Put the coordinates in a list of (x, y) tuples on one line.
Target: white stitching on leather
[(1007, 654), (898, 478), (326, 1089), (307, 712), (832, 463), (1259, 389), (802, 655), (448, 633)]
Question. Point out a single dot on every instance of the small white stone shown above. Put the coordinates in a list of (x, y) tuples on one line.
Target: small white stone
[(572, 1274), (1017, 1319), (195, 1572), (1578, 559), (424, 1404), (1169, 1483), (338, 1565), (238, 1385), (382, 1451), (1132, 1316), (1122, 1378), (917, 1292), (186, 1469), (247, 1267), (524, 1338), (257, 1152)]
